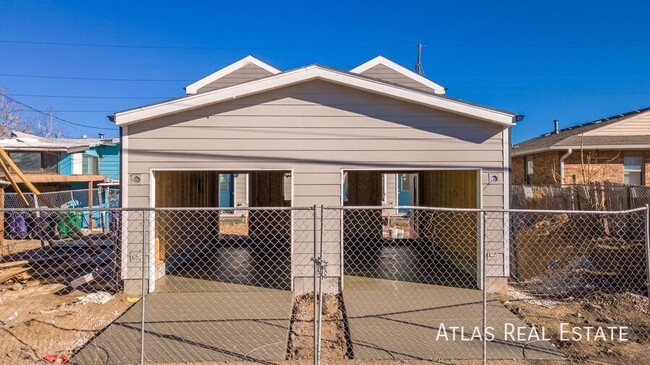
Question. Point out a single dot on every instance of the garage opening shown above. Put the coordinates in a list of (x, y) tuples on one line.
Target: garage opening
[(227, 227), (401, 239)]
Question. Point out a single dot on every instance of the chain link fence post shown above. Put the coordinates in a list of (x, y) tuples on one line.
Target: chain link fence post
[(143, 285), (315, 260), (321, 273), (483, 253), (647, 250)]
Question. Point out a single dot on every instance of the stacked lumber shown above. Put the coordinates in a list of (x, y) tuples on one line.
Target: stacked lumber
[(15, 271), (72, 266)]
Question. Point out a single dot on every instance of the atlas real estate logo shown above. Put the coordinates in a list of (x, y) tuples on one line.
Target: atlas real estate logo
[(517, 333)]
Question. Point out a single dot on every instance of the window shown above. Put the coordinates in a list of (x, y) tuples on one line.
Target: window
[(528, 166), (90, 165), (633, 170), (39, 162)]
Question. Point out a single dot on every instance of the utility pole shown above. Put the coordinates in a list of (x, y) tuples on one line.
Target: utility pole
[(418, 63)]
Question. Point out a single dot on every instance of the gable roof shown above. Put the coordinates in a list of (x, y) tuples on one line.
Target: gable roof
[(574, 137), (246, 62), (308, 73), (387, 70)]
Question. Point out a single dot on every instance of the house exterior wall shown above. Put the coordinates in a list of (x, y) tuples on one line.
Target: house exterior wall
[(65, 164), (241, 190), (546, 168), (579, 168), (390, 190), (317, 130), (594, 166), (109, 161)]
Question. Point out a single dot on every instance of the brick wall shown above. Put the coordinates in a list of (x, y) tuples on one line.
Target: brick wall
[(580, 167), (545, 169), (594, 166), (517, 170)]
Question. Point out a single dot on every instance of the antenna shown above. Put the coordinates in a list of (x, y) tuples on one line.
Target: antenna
[(418, 63)]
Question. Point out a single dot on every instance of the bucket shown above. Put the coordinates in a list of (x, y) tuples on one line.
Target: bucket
[(399, 263), (235, 263)]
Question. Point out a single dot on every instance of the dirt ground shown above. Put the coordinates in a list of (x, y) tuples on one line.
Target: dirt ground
[(235, 226), (301, 342), (597, 309), (37, 320), (392, 362)]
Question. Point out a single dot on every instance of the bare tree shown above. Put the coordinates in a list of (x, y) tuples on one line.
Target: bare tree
[(44, 126), (15, 117), (12, 117), (593, 167)]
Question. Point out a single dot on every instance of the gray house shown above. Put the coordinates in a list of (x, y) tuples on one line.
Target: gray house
[(310, 136)]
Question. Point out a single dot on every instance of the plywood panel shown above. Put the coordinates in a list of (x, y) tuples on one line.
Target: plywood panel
[(267, 190), (455, 233), (185, 189)]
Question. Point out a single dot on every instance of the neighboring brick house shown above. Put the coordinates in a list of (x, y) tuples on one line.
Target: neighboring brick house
[(614, 149)]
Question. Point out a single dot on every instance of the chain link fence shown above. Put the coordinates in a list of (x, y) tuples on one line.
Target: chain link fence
[(180, 285), (81, 198)]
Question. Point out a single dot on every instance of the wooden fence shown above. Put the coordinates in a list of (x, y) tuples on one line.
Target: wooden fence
[(595, 196)]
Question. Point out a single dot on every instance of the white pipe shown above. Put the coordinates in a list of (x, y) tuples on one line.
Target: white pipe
[(567, 154)]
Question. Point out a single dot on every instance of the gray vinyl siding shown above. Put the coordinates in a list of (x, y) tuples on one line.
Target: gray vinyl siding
[(247, 73), (317, 129), (240, 190), (385, 73), (390, 198)]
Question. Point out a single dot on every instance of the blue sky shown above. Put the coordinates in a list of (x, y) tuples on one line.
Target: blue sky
[(575, 61)]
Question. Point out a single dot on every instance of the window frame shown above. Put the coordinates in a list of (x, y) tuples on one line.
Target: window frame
[(639, 171), (529, 178)]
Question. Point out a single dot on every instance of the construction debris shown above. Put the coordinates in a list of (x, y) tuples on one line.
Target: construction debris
[(100, 297), (72, 265)]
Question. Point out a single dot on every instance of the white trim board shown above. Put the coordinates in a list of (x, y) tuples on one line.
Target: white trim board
[(307, 74), (380, 60), (248, 60)]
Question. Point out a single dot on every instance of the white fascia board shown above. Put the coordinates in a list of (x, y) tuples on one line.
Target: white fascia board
[(307, 74), (380, 60), (248, 60)]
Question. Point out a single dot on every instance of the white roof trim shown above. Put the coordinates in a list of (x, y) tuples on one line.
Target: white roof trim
[(248, 60), (306, 74), (380, 60)]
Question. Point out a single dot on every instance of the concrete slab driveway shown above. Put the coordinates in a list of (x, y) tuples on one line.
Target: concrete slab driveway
[(209, 321), (401, 320)]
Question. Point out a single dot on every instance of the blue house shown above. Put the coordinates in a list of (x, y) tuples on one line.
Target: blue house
[(67, 171), (55, 164)]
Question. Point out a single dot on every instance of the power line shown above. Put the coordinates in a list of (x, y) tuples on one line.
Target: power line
[(55, 117), (342, 46), (96, 96), (438, 73), (92, 78)]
